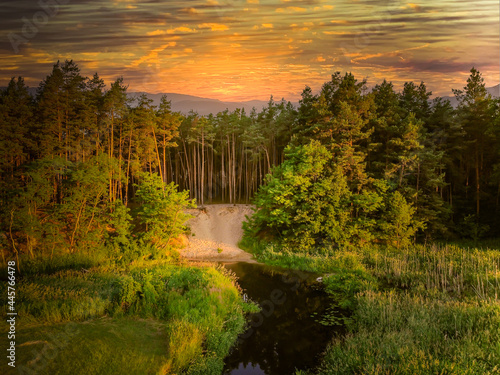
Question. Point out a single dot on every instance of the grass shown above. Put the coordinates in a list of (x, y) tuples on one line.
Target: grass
[(431, 309), (422, 310), (404, 333), (456, 271), (189, 315), (100, 346)]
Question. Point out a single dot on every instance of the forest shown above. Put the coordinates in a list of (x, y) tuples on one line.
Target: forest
[(352, 165), (391, 195)]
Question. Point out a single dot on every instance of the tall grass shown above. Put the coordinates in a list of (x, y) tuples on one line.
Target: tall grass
[(199, 307), (404, 333), (448, 269), (67, 295), (419, 310)]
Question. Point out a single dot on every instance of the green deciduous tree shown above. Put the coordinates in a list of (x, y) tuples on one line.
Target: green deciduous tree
[(398, 223), (161, 209), (307, 202)]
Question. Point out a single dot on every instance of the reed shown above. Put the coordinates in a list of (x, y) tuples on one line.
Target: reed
[(419, 310)]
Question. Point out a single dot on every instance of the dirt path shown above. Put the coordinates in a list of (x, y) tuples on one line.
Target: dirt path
[(216, 230)]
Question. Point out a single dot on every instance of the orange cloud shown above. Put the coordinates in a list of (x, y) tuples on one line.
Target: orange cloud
[(335, 32), (324, 7), (181, 29), (213, 26), (413, 6), (291, 10), (243, 60), (152, 57), (263, 26), (189, 10)]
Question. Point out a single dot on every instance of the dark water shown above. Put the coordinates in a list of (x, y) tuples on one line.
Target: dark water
[(284, 336)]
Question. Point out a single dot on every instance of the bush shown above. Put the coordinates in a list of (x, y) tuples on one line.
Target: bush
[(161, 209)]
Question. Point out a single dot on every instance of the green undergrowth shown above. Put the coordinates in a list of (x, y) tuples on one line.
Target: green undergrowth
[(189, 315), (408, 333), (431, 309)]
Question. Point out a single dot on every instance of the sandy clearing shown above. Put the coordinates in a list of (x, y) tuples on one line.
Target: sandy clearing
[(217, 226)]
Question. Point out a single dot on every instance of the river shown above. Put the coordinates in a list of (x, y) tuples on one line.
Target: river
[(286, 334)]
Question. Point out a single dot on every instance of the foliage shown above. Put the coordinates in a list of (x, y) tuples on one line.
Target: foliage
[(74, 150), (344, 284), (119, 238), (308, 201), (197, 312), (161, 209), (470, 227), (40, 218), (399, 225)]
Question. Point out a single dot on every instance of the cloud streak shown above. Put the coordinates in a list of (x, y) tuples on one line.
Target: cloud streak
[(250, 49)]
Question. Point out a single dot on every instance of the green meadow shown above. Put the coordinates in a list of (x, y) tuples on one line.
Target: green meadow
[(154, 317)]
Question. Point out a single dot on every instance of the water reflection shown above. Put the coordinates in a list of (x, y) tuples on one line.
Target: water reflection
[(283, 336)]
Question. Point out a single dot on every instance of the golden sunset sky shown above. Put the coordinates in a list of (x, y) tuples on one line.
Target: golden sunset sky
[(250, 49)]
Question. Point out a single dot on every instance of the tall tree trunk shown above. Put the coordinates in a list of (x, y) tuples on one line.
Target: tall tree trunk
[(477, 182), (229, 167), (158, 158), (195, 172), (120, 164), (418, 181), (111, 147), (234, 168), (188, 169), (223, 173), (202, 166), (128, 165), (164, 148)]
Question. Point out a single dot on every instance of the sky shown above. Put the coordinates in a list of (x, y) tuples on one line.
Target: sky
[(249, 49)]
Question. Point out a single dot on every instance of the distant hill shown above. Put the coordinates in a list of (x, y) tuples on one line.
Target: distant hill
[(186, 103), (493, 91), (203, 106)]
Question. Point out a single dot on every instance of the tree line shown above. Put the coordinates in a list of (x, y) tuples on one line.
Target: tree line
[(385, 167), (77, 136)]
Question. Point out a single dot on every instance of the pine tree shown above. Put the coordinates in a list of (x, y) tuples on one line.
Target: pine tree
[(475, 116), (16, 125)]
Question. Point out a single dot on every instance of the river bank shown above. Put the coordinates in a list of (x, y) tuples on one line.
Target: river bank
[(215, 231)]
